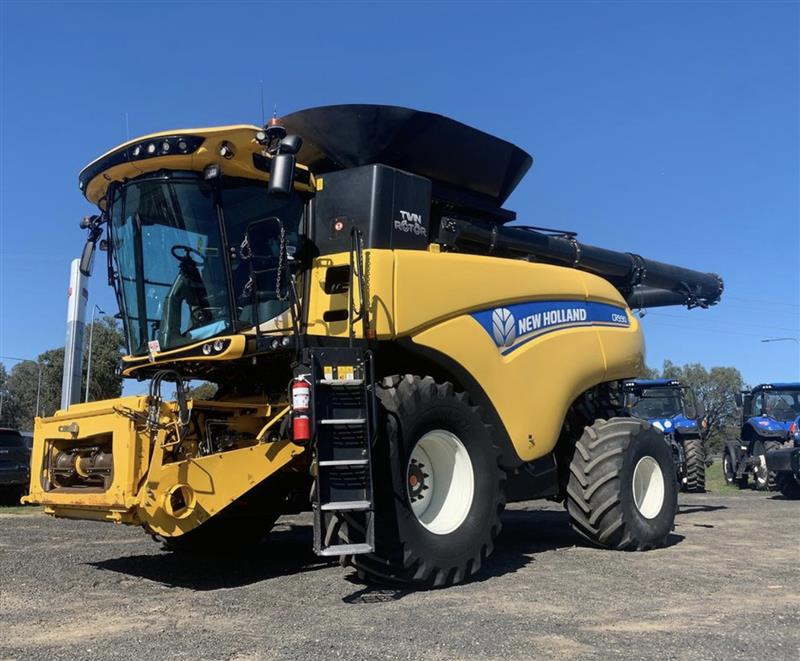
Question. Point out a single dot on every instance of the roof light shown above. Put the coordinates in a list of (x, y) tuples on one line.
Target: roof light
[(183, 145), (151, 148), (219, 345), (165, 146), (137, 150), (207, 349)]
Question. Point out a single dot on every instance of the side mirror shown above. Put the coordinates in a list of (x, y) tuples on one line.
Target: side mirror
[(690, 410), (87, 258), (281, 171), (93, 224), (737, 397)]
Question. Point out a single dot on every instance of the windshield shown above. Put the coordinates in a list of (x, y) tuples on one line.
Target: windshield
[(782, 405), (657, 403), (179, 283)]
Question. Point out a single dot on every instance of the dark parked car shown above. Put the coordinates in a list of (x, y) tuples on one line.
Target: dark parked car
[(15, 466)]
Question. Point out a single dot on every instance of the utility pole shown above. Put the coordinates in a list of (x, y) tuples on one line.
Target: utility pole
[(96, 308)]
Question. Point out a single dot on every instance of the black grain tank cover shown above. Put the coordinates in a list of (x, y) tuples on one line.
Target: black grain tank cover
[(390, 207), (466, 166)]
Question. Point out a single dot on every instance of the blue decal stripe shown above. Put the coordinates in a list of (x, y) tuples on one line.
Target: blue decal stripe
[(511, 326)]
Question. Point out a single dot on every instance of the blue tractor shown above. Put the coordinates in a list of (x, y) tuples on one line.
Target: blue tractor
[(673, 409), (769, 421)]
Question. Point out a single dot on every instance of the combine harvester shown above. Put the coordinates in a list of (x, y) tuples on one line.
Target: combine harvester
[(389, 352)]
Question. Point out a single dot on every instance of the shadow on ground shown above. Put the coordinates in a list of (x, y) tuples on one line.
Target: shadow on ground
[(525, 534), (694, 509), (287, 552)]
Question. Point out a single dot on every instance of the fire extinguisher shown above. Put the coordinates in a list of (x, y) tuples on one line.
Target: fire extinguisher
[(301, 408)]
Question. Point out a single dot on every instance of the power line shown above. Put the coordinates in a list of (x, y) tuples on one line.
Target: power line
[(743, 323), (762, 302)]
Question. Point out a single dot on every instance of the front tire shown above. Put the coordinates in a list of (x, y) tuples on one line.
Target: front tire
[(695, 458), (728, 468), (622, 493), (764, 478), (438, 487)]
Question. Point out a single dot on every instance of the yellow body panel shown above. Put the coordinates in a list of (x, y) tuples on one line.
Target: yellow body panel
[(144, 479), (428, 296)]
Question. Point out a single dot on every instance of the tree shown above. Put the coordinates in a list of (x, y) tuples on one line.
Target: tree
[(204, 390), (715, 388), (22, 383)]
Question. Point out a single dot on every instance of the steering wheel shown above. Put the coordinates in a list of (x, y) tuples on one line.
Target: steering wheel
[(187, 254)]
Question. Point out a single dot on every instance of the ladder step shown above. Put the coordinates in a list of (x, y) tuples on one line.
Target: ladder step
[(341, 382), (343, 421), (347, 506), (347, 549), (344, 462)]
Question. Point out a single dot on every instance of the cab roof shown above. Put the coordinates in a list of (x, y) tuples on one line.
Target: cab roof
[(776, 386), (652, 383)]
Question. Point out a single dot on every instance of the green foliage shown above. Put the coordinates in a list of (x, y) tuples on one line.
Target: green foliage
[(203, 390), (21, 385), (715, 388)]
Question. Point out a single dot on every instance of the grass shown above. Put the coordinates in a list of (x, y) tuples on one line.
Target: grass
[(715, 480)]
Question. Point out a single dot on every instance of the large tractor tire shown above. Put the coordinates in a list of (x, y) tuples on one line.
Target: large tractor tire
[(788, 485), (622, 492), (764, 478), (695, 458), (438, 487)]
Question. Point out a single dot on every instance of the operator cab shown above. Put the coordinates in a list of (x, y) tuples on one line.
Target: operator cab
[(180, 212), (665, 403), (769, 409)]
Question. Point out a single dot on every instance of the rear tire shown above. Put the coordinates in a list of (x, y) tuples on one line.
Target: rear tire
[(431, 435), (788, 485), (695, 458), (622, 493)]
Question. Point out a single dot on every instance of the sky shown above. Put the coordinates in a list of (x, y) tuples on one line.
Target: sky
[(667, 129)]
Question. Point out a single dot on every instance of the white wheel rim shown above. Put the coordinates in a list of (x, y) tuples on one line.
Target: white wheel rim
[(440, 482), (761, 470), (648, 487)]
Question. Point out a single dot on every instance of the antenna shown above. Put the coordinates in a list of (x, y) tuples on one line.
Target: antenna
[(263, 119), (127, 130)]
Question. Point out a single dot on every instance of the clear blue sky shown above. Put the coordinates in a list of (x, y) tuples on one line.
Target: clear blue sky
[(670, 130)]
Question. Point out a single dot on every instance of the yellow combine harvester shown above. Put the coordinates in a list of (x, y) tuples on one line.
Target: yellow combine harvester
[(389, 351)]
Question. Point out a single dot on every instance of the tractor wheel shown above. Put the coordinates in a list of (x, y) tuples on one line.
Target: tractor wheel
[(622, 492), (764, 479), (695, 458), (221, 535), (728, 468), (438, 487), (788, 485)]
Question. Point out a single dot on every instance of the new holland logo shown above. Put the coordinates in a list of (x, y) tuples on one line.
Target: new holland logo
[(517, 324), (503, 327)]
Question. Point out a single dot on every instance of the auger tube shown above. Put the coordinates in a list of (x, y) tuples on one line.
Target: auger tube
[(643, 282)]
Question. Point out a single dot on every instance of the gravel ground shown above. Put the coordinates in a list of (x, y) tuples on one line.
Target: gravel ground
[(725, 587)]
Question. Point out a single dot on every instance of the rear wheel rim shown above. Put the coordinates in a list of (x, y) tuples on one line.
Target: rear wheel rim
[(440, 481), (648, 487)]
